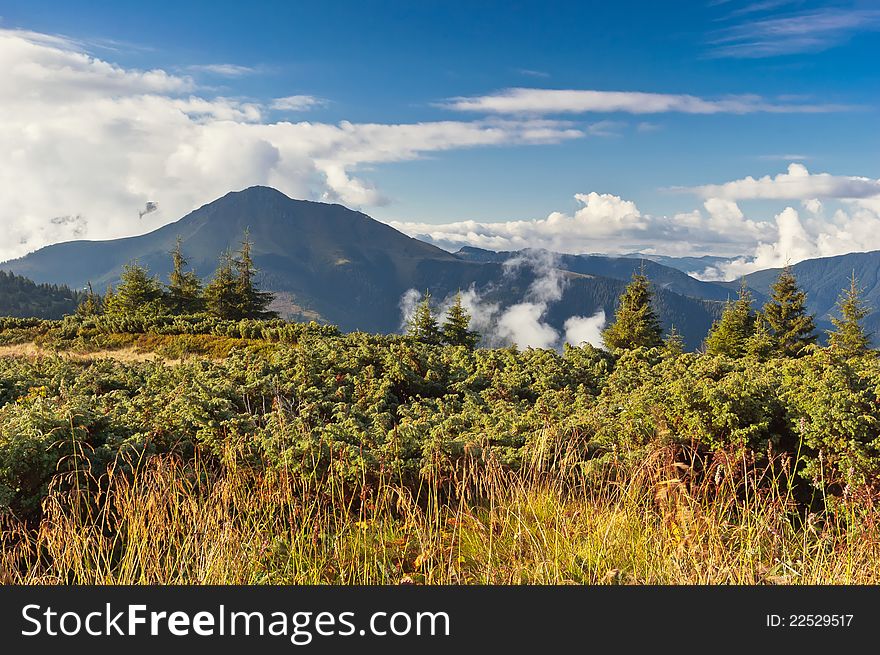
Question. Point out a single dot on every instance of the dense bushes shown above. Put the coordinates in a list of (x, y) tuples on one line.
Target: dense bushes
[(356, 406)]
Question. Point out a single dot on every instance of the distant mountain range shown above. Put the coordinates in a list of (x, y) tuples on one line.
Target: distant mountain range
[(328, 263)]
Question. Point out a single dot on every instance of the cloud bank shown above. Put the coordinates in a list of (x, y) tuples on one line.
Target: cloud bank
[(522, 323), (87, 144), (835, 215)]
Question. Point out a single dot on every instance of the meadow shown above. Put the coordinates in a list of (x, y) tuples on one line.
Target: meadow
[(255, 452)]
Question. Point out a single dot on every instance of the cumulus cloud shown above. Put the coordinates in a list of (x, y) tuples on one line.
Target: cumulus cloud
[(575, 101), (609, 224), (606, 223), (795, 184), (796, 238), (84, 137)]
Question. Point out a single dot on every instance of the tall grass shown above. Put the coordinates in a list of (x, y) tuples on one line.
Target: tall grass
[(663, 522)]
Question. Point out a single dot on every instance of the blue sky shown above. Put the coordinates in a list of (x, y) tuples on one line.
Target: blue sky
[(800, 80)]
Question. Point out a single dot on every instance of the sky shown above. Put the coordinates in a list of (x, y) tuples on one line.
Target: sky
[(741, 128)]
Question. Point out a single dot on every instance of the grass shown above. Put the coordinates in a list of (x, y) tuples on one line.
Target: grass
[(173, 522)]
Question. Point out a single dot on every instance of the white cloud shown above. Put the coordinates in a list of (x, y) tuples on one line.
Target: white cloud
[(574, 101), (585, 329), (608, 224), (807, 31), (796, 184), (222, 70), (796, 239), (812, 205), (297, 103), (84, 137)]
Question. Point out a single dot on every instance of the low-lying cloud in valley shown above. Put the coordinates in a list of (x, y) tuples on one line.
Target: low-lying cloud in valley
[(522, 323)]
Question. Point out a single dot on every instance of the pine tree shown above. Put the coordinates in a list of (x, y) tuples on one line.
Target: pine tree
[(730, 334), (788, 322), (184, 287), (849, 338), (456, 328), (252, 303), (635, 322), (760, 345), (673, 344), (423, 325), (221, 294), (138, 293), (92, 304)]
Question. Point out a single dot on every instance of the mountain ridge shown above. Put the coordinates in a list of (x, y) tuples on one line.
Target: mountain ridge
[(329, 263)]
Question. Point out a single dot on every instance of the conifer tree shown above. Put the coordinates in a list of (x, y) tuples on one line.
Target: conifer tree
[(422, 326), (252, 302), (635, 322), (673, 344), (456, 328), (221, 293), (760, 345), (849, 337), (138, 293), (92, 304), (785, 313), (184, 287), (730, 334)]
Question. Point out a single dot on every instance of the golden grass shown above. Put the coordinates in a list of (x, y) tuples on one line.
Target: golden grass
[(175, 523), (34, 351)]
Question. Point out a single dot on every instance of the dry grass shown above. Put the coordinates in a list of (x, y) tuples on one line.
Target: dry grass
[(173, 523), (34, 351)]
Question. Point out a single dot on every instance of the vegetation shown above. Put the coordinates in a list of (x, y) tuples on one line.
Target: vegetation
[(635, 322), (730, 335), (785, 315), (849, 337), (261, 451), (20, 297)]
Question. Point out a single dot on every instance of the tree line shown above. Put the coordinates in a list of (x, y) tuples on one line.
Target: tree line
[(781, 328), (231, 294)]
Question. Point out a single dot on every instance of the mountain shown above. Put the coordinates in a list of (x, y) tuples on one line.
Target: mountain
[(824, 278), (689, 265), (329, 263), (23, 298), (618, 268)]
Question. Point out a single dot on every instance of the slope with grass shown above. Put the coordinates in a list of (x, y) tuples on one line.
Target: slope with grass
[(310, 456)]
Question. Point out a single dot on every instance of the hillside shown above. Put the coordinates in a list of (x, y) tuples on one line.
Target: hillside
[(618, 268), (328, 263), (23, 298), (823, 280)]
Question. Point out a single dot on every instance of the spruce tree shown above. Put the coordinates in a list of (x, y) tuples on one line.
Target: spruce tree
[(785, 313), (456, 328), (673, 344), (760, 345), (138, 293), (422, 326), (184, 287), (635, 322), (221, 293), (252, 302), (849, 337), (730, 334), (92, 304)]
